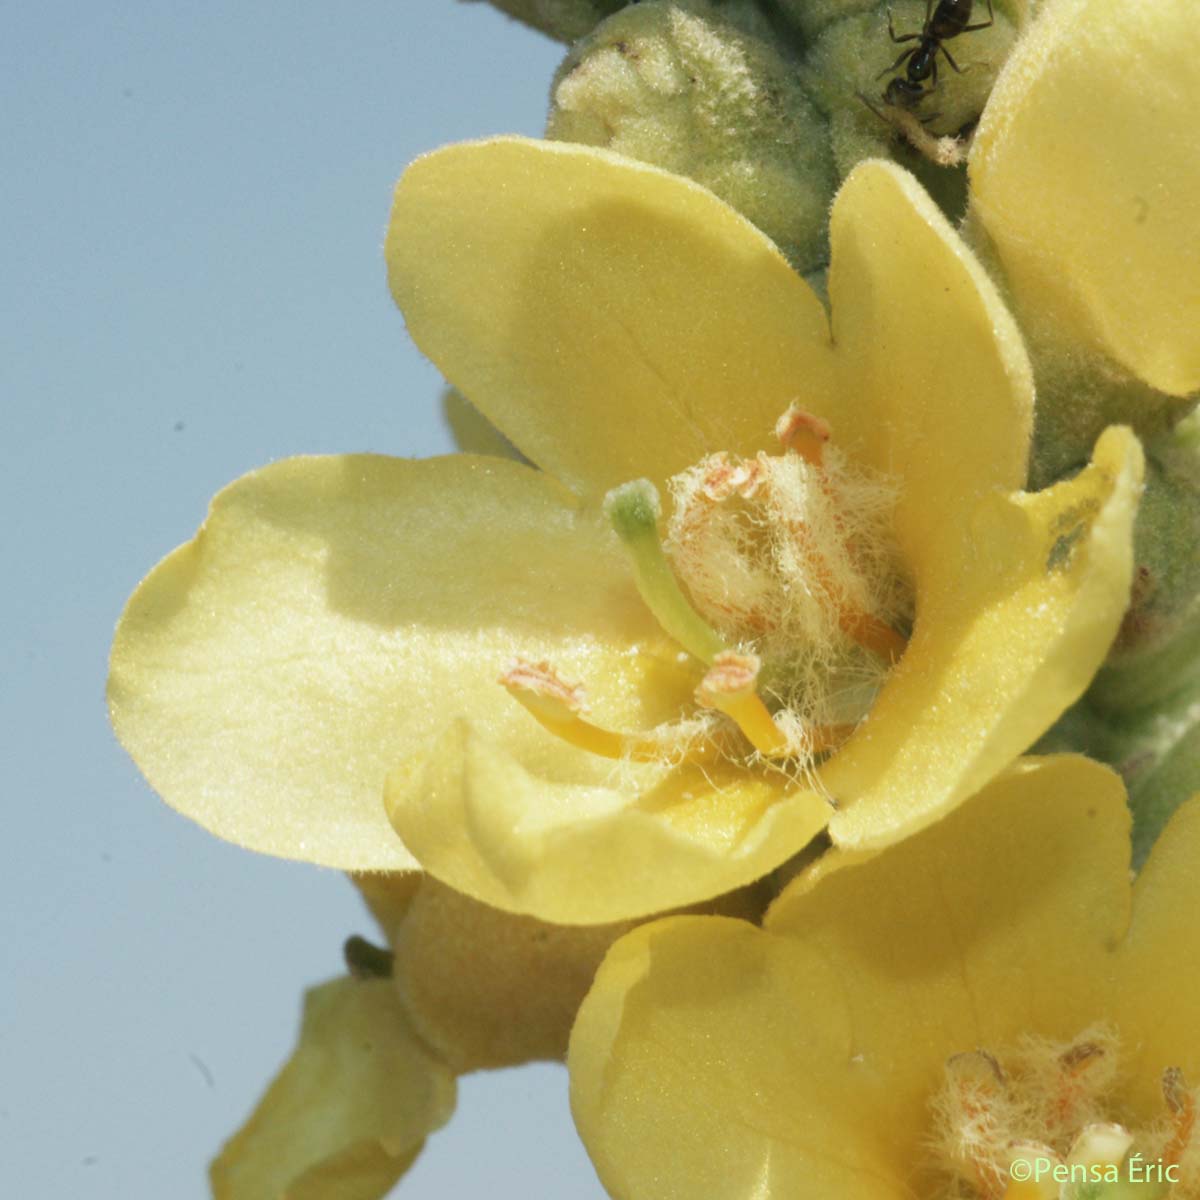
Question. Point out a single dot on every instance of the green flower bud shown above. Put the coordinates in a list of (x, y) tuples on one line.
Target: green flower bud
[(1079, 394), (1156, 747), (681, 86), (1166, 591), (810, 17), (565, 20), (847, 71), (1166, 780)]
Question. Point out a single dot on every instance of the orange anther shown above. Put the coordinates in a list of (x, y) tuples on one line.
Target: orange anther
[(556, 706), (543, 681), (803, 433)]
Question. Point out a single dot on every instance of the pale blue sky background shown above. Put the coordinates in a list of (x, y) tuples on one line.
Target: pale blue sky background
[(192, 201)]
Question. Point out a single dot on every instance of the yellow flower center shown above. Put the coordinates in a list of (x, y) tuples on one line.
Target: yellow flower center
[(1044, 1120), (780, 575)]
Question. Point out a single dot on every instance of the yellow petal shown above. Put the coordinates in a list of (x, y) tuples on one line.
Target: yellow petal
[(1085, 171), (613, 320), (931, 368), (348, 1113), (800, 1061), (335, 614), (573, 853), (1160, 962), (710, 1060), (1011, 901), (1012, 622)]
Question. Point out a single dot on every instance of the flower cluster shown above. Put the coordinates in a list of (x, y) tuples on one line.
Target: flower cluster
[(786, 575)]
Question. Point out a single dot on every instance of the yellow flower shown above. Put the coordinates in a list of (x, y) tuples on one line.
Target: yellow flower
[(340, 618), (1084, 173), (913, 1025)]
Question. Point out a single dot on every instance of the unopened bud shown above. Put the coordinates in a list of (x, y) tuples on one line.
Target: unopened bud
[(565, 20), (851, 62), (681, 86)]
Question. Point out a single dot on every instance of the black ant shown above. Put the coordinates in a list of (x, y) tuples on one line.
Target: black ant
[(948, 20)]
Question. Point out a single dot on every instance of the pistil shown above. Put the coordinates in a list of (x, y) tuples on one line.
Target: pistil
[(634, 509)]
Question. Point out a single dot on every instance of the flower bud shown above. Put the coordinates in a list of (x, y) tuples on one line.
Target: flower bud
[(811, 17), (848, 68), (1159, 789), (489, 989), (682, 86), (1147, 665), (565, 20)]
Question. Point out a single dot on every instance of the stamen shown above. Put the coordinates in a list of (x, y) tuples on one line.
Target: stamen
[(807, 434), (810, 741), (1079, 1057), (1030, 1126), (803, 433), (729, 687), (634, 509), (719, 479), (542, 686), (723, 478), (1073, 1088), (556, 705), (976, 1101), (868, 631), (1182, 1104)]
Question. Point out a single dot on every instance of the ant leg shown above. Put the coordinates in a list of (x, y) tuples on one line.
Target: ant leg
[(981, 24), (908, 37), (960, 70), (896, 64)]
